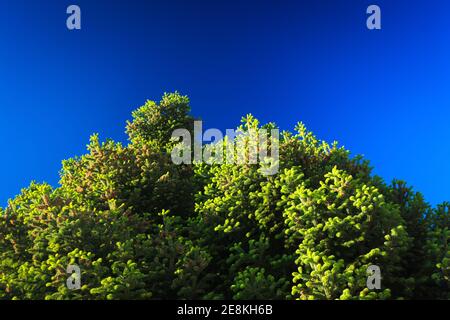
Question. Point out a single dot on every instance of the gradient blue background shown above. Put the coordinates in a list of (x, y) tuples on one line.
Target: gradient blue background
[(384, 94)]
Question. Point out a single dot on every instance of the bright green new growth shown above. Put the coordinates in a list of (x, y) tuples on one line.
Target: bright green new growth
[(141, 227)]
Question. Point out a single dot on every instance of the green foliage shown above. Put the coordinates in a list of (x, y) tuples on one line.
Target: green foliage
[(344, 227), (253, 283), (141, 227)]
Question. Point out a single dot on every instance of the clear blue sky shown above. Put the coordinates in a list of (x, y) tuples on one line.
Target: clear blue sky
[(384, 94)]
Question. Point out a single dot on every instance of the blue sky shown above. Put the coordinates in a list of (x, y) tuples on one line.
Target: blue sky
[(384, 94)]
